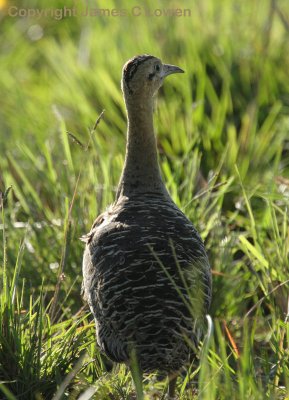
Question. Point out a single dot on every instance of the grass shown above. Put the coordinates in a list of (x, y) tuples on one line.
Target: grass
[(227, 117)]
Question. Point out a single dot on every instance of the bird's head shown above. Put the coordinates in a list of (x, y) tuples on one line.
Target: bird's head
[(143, 75)]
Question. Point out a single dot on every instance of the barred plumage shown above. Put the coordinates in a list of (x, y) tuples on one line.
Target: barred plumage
[(146, 275)]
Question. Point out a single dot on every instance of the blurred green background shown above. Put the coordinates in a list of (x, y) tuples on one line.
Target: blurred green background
[(223, 138)]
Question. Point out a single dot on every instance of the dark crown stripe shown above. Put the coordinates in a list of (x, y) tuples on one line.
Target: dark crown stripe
[(132, 65)]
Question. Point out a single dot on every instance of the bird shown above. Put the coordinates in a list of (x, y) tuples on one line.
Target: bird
[(146, 273)]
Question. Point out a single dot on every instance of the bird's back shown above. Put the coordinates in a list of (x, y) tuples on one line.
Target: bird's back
[(147, 281)]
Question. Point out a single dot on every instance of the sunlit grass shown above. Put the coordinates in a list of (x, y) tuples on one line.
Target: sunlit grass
[(222, 133)]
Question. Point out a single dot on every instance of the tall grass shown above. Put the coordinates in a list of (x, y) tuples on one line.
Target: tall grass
[(222, 133)]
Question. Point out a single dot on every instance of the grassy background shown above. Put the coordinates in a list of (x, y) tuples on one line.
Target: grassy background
[(227, 117)]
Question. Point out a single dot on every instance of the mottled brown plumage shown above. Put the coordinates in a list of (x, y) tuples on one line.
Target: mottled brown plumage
[(146, 275)]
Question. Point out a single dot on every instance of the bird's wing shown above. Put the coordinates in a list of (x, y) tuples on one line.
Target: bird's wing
[(88, 236)]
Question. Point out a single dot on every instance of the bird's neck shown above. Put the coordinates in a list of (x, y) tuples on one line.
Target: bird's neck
[(141, 173)]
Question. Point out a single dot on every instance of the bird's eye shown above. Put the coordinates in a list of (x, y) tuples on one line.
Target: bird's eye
[(157, 67)]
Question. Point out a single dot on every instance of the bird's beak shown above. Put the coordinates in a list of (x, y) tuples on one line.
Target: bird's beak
[(171, 69)]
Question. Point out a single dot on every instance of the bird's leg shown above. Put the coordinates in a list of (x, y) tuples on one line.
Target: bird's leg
[(172, 386)]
